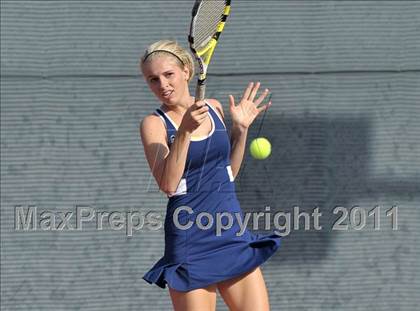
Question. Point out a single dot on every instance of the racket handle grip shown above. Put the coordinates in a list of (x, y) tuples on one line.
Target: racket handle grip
[(200, 91)]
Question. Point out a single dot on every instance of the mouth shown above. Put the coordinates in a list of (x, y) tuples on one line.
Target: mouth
[(167, 94)]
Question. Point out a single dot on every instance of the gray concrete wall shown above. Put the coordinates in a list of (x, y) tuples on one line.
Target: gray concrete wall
[(344, 128)]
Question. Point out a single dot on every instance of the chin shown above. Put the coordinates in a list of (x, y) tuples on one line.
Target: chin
[(171, 101)]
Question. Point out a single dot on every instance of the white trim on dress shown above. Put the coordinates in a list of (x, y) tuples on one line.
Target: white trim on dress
[(217, 114), (192, 137)]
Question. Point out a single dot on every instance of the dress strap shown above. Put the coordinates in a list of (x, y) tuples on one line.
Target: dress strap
[(170, 128), (216, 117), (168, 122)]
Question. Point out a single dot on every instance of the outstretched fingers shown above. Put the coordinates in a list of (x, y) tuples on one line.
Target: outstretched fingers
[(254, 91), (265, 107), (231, 101), (247, 91), (262, 97)]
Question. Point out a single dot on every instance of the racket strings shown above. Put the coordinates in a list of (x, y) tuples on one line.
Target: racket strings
[(208, 17)]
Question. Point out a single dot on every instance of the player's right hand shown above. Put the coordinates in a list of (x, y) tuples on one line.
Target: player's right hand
[(194, 116)]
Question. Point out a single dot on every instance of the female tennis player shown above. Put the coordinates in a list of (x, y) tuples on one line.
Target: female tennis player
[(195, 162)]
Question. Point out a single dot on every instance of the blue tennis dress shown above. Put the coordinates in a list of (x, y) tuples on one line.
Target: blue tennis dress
[(196, 254)]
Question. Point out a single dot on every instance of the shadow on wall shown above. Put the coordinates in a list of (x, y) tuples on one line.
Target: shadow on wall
[(314, 163)]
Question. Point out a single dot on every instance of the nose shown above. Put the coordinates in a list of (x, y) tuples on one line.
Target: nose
[(163, 83)]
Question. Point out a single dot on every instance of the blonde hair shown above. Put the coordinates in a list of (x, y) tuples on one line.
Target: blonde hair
[(172, 48)]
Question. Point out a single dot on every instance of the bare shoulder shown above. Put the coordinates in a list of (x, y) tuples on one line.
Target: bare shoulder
[(152, 126), (152, 121), (217, 105)]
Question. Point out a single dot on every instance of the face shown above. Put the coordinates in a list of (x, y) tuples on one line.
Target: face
[(166, 79)]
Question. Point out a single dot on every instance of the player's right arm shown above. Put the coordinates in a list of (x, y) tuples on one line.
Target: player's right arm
[(166, 168), (168, 164)]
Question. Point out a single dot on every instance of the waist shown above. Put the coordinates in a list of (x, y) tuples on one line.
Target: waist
[(198, 182), (205, 192)]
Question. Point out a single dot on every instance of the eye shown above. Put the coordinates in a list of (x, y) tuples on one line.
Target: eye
[(169, 74), (153, 79)]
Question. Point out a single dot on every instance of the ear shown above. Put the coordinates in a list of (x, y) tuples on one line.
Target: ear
[(186, 72)]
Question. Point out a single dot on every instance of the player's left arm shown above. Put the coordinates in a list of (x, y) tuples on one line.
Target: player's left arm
[(238, 137), (238, 143)]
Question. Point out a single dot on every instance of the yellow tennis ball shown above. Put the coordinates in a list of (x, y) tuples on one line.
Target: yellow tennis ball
[(260, 148)]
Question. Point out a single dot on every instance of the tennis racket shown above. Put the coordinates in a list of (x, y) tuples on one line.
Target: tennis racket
[(208, 22)]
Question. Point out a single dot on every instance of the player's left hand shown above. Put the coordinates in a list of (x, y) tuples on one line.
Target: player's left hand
[(248, 109)]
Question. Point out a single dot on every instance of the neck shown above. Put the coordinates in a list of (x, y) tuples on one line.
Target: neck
[(181, 106)]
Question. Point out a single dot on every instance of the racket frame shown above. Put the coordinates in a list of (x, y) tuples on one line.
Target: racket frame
[(204, 55)]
